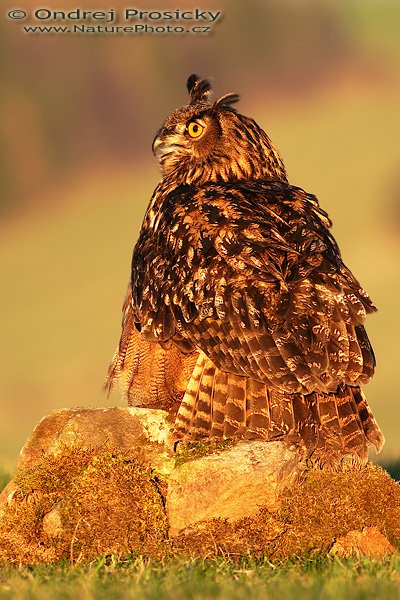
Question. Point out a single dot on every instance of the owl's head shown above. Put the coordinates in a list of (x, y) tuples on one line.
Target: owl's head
[(204, 141)]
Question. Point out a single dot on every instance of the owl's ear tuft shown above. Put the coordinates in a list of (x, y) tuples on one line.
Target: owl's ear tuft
[(199, 89), (226, 102)]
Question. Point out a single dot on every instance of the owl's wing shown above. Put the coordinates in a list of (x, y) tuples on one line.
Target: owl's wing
[(251, 275)]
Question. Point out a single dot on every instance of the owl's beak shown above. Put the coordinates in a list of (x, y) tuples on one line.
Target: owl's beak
[(157, 142)]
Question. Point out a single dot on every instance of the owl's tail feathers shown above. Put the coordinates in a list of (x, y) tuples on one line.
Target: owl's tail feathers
[(224, 405), (370, 427), (326, 427), (345, 424), (211, 406)]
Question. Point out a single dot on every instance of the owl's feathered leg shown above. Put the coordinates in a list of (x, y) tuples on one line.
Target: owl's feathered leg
[(323, 427), (147, 374)]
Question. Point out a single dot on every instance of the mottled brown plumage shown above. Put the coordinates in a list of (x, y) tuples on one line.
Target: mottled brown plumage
[(241, 313)]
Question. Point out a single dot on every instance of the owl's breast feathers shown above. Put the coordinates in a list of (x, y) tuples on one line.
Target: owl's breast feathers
[(249, 274)]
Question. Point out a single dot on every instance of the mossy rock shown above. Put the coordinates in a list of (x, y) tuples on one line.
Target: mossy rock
[(200, 448), (82, 504), (314, 512)]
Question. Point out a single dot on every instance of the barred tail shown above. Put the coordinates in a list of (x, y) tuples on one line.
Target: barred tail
[(326, 427), (223, 405), (369, 424)]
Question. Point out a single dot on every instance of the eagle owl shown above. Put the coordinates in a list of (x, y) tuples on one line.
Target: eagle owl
[(241, 318)]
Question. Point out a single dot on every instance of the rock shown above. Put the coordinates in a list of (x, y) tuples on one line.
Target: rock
[(52, 522), (104, 481), (139, 432), (231, 484), (369, 542), (6, 496)]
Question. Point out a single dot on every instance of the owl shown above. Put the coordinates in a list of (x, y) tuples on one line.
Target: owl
[(241, 319)]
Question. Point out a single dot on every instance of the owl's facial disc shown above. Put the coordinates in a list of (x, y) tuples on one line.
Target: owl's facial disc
[(168, 139), (200, 143), (186, 136)]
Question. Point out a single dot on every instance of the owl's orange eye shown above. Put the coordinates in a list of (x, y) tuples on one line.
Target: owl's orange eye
[(194, 129)]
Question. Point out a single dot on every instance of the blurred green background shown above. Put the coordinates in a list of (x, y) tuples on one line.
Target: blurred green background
[(79, 114)]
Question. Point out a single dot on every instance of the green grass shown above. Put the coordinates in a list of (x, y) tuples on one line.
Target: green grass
[(393, 468), (5, 476), (137, 579)]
